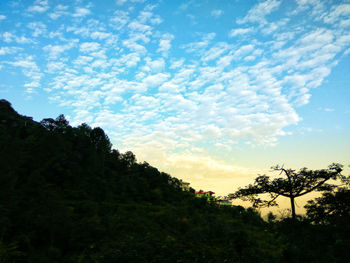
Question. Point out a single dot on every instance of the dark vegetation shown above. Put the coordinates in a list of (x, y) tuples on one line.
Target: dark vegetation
[(66, 196), (293, 185)]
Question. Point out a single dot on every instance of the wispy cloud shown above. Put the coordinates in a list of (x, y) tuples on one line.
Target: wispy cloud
[(81, 12), (9, 50), (122, 2), (337, 13), (38, 28), (258, 13), (31, 70), (100, 35), (56, 50), (89, 47), (59, 10), (26, 63), (316, 7), (40, 6), (216, 13), (240, 31), (9, 37), (200, 45), (119, 19)]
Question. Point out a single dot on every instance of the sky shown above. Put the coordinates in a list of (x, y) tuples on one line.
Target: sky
[(212, 92)]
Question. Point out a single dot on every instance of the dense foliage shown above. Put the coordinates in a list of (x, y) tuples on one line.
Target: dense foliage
[(333, 207), (293, 185), (67, 196)]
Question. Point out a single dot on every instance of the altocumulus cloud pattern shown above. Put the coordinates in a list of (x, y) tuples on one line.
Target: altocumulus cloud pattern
[(168, 78)]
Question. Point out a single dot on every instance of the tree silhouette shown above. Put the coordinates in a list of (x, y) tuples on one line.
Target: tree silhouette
[(295, 184), (333, 206), (66, 196)]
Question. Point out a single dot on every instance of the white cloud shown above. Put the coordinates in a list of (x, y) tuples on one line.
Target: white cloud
[(169, 87), (23, 40), (55, 51), (317, 7), (212, 131), (200, 45), (59, 10), (89, 47), (100, 63), (184, 75), (144, 16), (329, 109), (240, 31), (31, 70), (133, 46), (9, 50), (27, 63), (209, 36), (177, 63), (155, 80), (10, 37), (225, 61), (337, 12), (38, 28), (2, 17), (122, 2), (273, 27), (137, 26), (55, 67), (81, 12), (128, 60), (216, 13), (243, 50), (215, 51), (82, 60), (156, 20), (119, 20), (258, 13), (165, 44), (100, 35), (156, 90), (30, 85), (40, 6), (154, 65), (82, 31)]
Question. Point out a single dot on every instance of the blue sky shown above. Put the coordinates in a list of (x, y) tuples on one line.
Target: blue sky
[(212, 92)]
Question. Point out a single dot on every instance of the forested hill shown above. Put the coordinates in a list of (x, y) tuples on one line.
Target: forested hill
[(67, 196)]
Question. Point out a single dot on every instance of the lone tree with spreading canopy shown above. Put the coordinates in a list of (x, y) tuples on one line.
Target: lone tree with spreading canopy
[(294, 184)]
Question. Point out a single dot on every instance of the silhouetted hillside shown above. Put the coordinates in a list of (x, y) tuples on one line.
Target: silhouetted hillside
[(67, 196)]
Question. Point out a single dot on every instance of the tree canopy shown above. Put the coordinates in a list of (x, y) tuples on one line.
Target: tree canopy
[(333, 206), (293, 185)]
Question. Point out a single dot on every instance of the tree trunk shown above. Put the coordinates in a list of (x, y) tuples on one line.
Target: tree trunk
[(292, 206)]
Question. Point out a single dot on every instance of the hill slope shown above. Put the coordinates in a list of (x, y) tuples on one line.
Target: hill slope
[(66, 196)]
